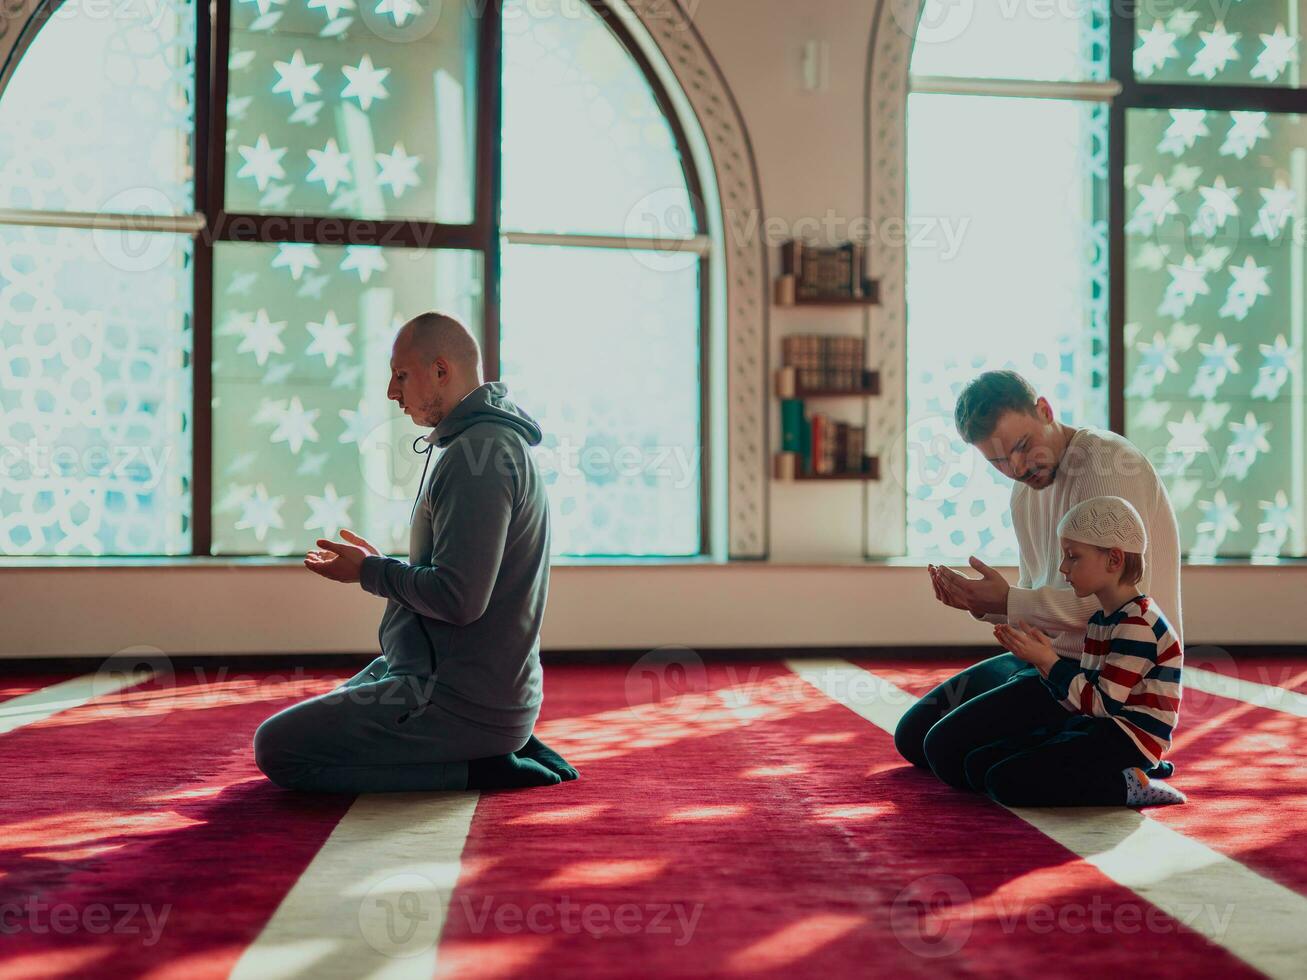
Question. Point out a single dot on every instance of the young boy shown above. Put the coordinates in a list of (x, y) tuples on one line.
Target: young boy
[(1123, 697)]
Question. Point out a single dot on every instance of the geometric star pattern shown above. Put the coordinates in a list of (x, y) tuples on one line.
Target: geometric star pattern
[(1208, 394), (95, 406), (326, 118), (290, 375), (94, 415)]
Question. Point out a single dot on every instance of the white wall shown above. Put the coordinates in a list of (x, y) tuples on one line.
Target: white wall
[(810, 158), (809, 149), (239, 609)]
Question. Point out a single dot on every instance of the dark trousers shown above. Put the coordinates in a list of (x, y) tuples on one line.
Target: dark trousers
[(1078, 762), (376, 733), (1001, 706)]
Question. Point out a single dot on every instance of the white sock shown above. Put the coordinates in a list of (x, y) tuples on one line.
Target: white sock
[(1142, 791)]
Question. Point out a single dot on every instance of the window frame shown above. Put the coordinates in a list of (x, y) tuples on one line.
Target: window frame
[(483, 234), (209, 148), (700, 244), (209, 223), (1136, 94), (1085, 92)]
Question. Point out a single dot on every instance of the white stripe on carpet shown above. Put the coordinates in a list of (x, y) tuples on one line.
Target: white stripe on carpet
[(28, 709), (1256, 919), (1250, 692), (372, 902)]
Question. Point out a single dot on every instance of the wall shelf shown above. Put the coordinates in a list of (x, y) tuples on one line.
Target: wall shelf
[(870, 389), (837, 274), (870, 474), (835, 367), (871, 299)]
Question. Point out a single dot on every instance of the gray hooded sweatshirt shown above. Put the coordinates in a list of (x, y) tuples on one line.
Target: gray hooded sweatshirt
[(466, 608)]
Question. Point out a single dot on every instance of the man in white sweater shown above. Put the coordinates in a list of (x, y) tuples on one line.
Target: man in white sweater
[(1054, 466)]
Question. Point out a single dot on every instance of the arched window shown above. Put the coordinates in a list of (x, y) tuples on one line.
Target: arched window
[(601, 328), (346, 169), (1128, 234), (1006, 177), (95, 322)]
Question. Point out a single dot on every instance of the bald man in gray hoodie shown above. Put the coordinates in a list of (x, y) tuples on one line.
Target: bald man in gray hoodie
[(452, 701)]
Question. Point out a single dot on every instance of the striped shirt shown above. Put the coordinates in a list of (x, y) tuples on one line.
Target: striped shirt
[(1129, 672)]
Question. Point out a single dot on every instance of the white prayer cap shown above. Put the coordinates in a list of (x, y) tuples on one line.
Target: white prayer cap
[(1107, 522)]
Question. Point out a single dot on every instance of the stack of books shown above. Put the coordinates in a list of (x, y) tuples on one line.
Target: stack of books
[(816, 273), (819, 445), (814, 363)]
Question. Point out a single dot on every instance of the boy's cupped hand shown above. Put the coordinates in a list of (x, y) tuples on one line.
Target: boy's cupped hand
[(1026, 642)]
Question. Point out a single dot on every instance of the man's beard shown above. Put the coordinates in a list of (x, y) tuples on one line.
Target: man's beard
[(1044, 479), (431, 413)]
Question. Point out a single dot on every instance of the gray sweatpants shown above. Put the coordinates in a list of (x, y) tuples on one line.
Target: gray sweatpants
[(376, 733)]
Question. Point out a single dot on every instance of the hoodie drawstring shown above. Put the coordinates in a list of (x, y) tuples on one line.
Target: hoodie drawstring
[(431, 647), (422, 482)]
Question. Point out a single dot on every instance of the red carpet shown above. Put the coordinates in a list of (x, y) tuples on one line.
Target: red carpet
[(755, 828), (145, 806), (791, 837), (1242, 766), (1245, 766)]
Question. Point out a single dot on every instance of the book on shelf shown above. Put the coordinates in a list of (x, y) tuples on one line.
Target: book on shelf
[(791, 425), (813, 362), (818, 445), (855, 452), (836, 272)]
